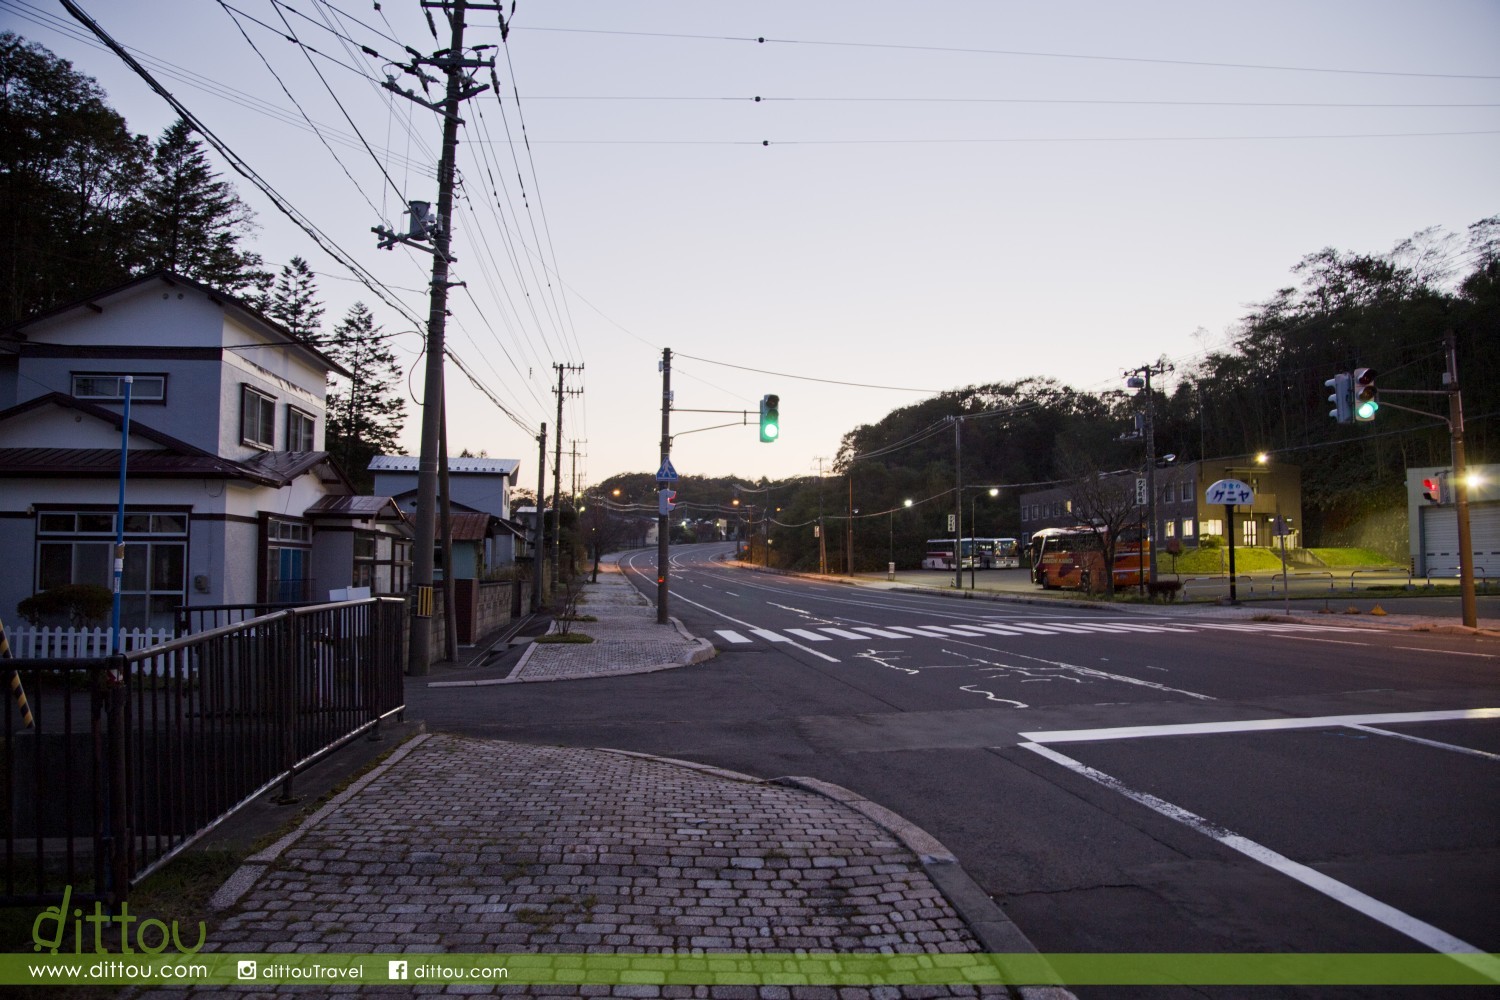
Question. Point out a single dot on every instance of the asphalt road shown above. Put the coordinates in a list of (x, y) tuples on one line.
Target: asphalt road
[(1157, 781)]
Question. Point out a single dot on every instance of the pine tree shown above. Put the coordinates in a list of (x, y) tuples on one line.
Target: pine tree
[(294, 301), (366, 411), (195, 221)]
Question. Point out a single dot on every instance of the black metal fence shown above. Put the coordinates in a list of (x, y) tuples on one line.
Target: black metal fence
[(133, 757)]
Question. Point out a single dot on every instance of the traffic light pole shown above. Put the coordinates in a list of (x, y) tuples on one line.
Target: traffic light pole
[(1468, 603)]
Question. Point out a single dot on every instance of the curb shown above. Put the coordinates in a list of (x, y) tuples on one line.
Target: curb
[(995, 932), (701, 650)]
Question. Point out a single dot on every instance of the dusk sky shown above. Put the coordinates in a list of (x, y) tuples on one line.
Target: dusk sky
[(926, 196)]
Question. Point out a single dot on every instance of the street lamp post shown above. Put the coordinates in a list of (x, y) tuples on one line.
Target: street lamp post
[(974, 531)]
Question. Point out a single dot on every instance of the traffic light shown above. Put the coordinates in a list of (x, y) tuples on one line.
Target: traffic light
[(1434, 488), (1342, 397), (665, 501), (1365, 403), (770, 417)]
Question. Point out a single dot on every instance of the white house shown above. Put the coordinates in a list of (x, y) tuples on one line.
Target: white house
[(230, 498)]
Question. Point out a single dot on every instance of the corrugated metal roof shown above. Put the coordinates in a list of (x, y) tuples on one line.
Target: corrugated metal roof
[(473, 527), (352, 507), (106, 461), (482, 466)]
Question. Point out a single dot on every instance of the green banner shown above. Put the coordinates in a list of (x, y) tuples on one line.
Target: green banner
[(1426, 969)]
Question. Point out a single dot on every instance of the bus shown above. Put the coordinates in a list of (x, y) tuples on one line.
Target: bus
[(978, 553), (1073, 559)]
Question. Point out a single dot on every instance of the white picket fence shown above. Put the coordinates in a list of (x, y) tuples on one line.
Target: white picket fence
[(82, 643)]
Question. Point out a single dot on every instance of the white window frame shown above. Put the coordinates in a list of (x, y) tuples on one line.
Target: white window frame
[(294, 417), (264, 404), (140, 389)]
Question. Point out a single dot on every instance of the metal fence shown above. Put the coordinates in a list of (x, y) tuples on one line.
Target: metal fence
[(131, 758)]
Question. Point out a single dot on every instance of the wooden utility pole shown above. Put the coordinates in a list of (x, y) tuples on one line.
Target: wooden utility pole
[(1467, 600), (663, 517), (440, 232), (539, 557), (562, 392)]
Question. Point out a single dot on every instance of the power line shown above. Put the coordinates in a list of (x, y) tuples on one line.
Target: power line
[(808, 378), (1017, 140), (1028, 53)]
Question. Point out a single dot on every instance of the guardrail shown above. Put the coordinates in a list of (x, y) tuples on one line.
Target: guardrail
[(133, 757), (1480, 577)]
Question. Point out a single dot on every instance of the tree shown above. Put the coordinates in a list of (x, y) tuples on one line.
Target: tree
[(195, 221), (293, 302), (70, 173), (366, 411)]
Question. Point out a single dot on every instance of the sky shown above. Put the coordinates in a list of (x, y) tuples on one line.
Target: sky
[(925, 196)]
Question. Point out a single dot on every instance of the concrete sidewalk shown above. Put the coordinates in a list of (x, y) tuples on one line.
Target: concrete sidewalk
[(457, 845)]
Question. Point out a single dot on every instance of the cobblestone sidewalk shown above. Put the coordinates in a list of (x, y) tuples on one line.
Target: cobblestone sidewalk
[(474, 846)]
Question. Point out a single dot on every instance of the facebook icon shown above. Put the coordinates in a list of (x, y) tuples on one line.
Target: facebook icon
[(396, 969)]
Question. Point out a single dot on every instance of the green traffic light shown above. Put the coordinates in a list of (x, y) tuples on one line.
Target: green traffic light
[(1366, 410)]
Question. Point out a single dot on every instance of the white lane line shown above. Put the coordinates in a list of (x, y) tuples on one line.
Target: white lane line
[(925, 633), (1446, 652), (1151, 629), (727, 618), (1429, 743), (1403, 923), (841, 632), (882, 633), (808, 634), (769, 636), (1256, 725), (1030, 629), (731, 636)]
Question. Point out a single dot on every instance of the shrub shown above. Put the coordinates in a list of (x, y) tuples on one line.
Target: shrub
[(80, 603)]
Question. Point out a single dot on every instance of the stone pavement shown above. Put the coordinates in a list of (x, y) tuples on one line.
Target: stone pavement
[(483, 846)]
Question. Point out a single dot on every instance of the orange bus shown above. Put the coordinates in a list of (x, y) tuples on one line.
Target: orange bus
[(1073, 559)]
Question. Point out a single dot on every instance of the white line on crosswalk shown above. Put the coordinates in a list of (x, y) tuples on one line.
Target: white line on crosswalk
[(808, 634), (880, 632), (731, 636), (768, 635), (843, 633), (951, 630), (926, 633)]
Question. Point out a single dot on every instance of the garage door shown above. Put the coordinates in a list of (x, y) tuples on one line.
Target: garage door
[(1440, 539)]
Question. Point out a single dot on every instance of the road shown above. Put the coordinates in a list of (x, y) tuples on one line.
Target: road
[(1157, 781)]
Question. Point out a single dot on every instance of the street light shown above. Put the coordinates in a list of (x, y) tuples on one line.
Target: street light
[(974, 532), (904, 503)]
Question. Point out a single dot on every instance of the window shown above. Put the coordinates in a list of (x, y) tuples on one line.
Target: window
[(257, 418), (299, 429), (1187, 527), (288, 561), (1187, 492), (1171, 529), (77, 547), (111, 386), (366, 547), (1213, 526), (1249, 531)]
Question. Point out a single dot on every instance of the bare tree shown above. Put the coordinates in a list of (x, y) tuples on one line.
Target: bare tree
[(1104, 503)]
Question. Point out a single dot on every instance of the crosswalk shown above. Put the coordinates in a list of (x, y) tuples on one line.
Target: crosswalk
[(1007, 628)]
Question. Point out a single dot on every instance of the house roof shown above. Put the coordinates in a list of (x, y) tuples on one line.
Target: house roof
[(157, 463), (353, 507), (16, 331), (475, 466), (471, 527)]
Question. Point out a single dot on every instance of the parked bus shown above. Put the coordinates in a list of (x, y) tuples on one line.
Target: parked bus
[(1073, 559), (978, 553)]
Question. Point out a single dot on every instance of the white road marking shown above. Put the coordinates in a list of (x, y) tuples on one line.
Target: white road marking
[(731, 636), (714, 611), (808, 634), (1430, 743), (1403, 923), (879, 632), (925, 633), (843, 633), (954, 630), (769, 636), (1446, 652), (1256, 725)]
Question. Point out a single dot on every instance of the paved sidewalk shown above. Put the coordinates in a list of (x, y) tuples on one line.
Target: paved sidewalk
[(482, 846), (627, 640)]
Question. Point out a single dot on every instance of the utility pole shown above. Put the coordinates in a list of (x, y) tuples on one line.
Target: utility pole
[(562, 371), (1143, 375), (663, 518), (459, 88), (539, 557), (1469, 607)]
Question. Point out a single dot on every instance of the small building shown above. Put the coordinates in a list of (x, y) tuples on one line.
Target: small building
[(1181, 510), (1432, 524), (479, 486)]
